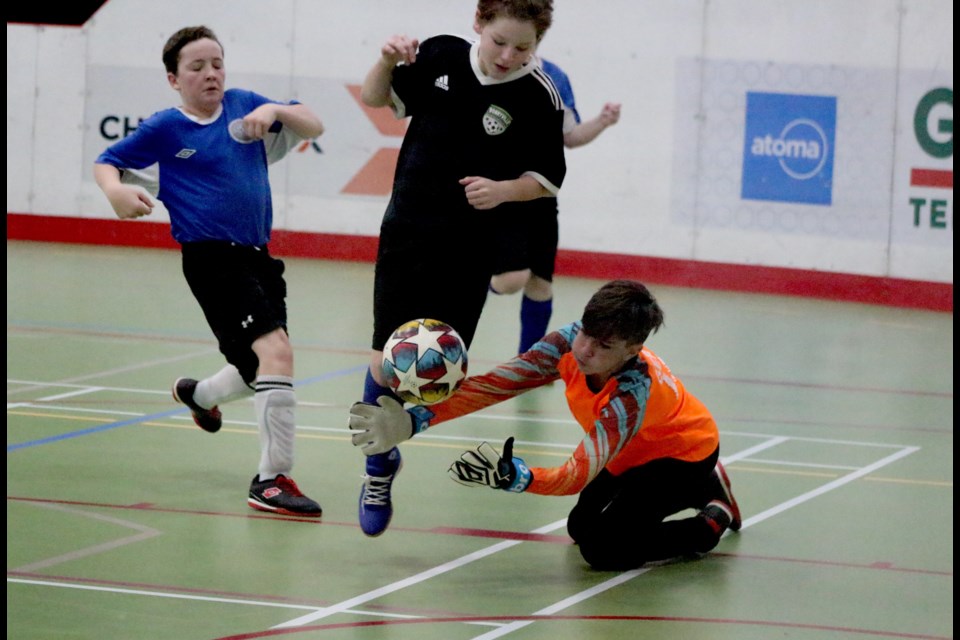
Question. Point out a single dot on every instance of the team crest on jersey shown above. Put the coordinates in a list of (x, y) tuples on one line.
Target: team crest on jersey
[(496, 120)]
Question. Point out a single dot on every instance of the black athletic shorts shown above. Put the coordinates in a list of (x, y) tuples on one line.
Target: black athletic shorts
[(242, 293), (529, 240), (431, 268)]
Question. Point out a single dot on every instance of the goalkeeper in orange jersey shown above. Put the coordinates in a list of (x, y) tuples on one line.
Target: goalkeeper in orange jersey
[(650, 448)]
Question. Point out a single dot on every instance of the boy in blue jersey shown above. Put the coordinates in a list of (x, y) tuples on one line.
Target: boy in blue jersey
[(484, 139), (526, 258), (212, 153)]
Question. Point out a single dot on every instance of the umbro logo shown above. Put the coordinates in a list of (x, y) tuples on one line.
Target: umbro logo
[(442, 82), (186, 153)]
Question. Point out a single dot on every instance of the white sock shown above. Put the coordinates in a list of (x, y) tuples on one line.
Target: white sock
[(224, 386), (275, 402)]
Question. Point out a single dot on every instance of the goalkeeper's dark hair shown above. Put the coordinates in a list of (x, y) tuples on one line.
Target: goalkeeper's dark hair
[(622, 310), (539, 13), (183, 37)]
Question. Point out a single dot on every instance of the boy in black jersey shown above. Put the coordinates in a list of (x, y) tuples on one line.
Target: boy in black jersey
[(485, 135)]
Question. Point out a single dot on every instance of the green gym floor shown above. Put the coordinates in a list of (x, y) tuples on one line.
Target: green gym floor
[(126, 521)]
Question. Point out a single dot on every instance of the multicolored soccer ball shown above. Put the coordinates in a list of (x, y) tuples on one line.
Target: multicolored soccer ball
[(424, 361)]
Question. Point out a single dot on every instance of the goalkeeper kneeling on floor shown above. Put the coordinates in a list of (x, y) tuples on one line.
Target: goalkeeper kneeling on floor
[(650, 448)]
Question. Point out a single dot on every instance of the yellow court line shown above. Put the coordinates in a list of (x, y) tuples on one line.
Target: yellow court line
[(739, 467)]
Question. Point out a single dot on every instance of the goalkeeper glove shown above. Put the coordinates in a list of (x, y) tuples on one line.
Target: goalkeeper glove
[(483, 466), (377, 429)]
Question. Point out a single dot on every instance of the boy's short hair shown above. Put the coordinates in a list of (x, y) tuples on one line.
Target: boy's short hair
[(622, 310), (537, 12), (183, 37)]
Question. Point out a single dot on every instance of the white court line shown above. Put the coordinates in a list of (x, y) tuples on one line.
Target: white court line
[(49, 407), (502, 629), (805, 465), (70, 394), (159, 594), (830, 486), (412, 580), (772, 441), (258, 603), (858, 443), (477, 555), (67, 385), (629, 575), (109, 372)]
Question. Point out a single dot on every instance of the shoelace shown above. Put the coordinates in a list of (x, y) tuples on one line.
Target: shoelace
[(377, 490), (289, 486)]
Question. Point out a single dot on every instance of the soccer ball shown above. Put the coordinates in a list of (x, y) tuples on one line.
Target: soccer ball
[(424, 361)]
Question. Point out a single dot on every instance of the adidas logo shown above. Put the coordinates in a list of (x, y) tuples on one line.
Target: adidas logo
[(442, 82)]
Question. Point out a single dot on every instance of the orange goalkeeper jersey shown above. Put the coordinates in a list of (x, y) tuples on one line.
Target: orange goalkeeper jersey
[(643, 412)]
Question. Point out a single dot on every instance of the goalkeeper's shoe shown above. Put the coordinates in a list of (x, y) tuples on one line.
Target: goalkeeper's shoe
[(376, 509), (720, 492), (207, 419), (281, 495), (718, 515)]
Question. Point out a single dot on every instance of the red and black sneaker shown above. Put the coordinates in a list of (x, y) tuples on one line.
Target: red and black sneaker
[(721, 492), (209, 420), (281, 495)]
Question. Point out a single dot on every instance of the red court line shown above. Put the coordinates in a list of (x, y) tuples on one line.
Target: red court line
[(457, 531), (886, 566), (436, 619), (553, 618), (144, 506), (502, 535), (931, 178)]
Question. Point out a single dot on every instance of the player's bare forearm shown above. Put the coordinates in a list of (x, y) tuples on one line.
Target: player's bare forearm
[(127, 201), (298, 117), (301, 119), (375, 91), (588, 130), (483, 193)]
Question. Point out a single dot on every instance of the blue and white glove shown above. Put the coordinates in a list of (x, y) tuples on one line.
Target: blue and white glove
[(484, 467)]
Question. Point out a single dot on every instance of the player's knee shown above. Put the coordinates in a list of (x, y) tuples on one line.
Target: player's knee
[(375, 370), (274, 351), (577, 527), (246, 362), (510, 282), (537, 288)]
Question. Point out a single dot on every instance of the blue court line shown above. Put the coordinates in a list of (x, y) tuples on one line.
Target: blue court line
[(163, 414), (85, 432)]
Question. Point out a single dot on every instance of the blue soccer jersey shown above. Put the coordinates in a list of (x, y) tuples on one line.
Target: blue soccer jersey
[(562, 82), (214, 186)]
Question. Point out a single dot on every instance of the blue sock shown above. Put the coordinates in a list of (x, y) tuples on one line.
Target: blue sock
[(534, 318), (372, 390)]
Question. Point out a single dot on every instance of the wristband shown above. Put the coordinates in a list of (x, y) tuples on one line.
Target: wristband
[(523, 478)]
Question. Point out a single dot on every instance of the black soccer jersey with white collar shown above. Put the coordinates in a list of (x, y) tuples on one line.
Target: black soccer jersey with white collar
[(463, 123)]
